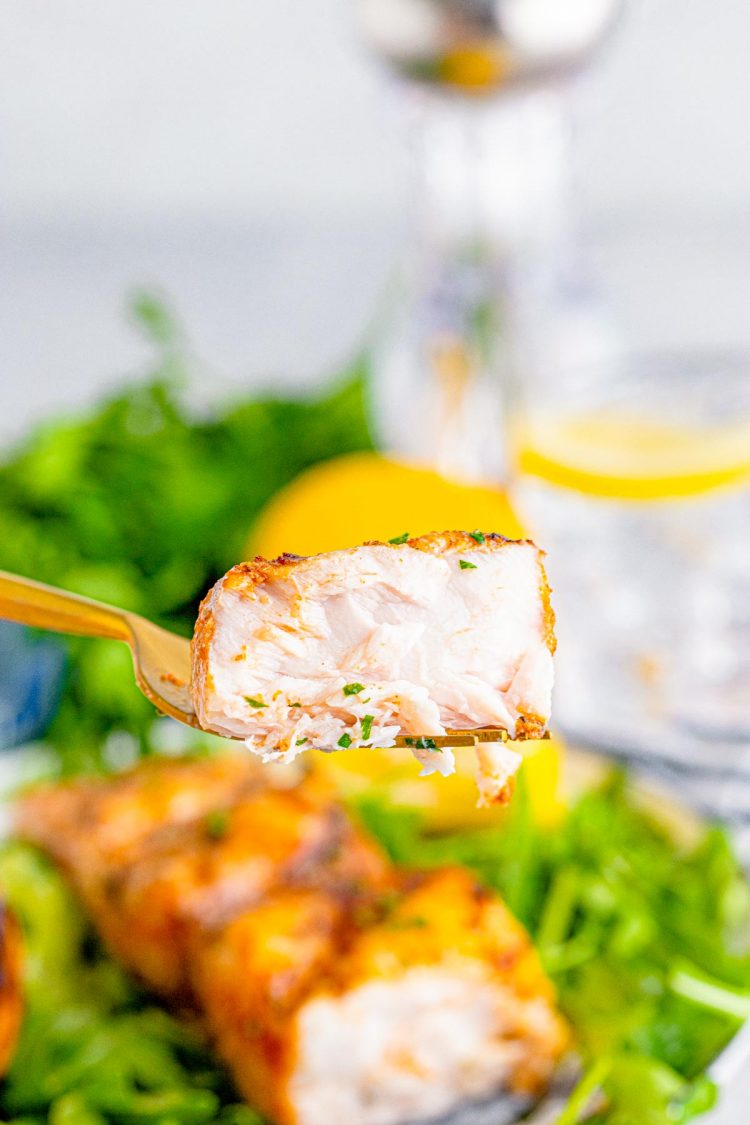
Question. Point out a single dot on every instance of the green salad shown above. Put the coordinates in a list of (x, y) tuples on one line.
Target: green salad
[(638, 934)]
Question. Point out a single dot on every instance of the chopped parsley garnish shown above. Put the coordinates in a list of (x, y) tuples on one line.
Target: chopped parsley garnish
[(353, 689), (217, 823), (257, 703), (399, 539), (466, 565), (366, 725), (301, 741), (477, 536), (345, 741), (295, 704), (424, 744)]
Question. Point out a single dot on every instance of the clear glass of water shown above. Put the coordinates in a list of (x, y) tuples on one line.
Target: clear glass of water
[(634, 475)]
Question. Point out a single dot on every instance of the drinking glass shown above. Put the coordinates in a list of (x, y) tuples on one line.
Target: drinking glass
[(634, 475), (487, 84)]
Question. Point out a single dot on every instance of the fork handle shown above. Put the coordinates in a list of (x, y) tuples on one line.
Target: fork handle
[(33, 603)]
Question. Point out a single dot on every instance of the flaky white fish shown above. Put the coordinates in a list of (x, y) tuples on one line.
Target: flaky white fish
[(450, 631)]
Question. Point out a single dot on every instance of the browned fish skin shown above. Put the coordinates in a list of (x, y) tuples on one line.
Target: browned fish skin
[(283, 922)]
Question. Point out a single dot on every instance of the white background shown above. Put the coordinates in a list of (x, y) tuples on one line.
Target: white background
[(245, 107), (250, 157)]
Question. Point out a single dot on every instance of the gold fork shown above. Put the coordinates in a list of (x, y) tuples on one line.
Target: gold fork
[(161, 659)]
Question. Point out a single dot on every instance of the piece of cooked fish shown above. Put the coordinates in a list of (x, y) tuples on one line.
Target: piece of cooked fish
[(152, 869), (450, 631), (337, 987), (439, 1000), (154, 908)]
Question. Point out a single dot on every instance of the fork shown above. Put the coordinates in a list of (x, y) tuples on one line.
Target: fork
[(161, 659)]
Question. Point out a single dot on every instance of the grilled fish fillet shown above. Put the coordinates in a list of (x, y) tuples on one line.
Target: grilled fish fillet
[(450, 631), (232, 839), (337, 987), (440, 1000)]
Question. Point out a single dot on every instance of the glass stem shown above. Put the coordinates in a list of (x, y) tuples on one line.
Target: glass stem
[(489, 214)]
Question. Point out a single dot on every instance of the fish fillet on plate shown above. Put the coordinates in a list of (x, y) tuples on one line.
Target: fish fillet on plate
[(354, 648), (195, 843), (437, 999), (337, 987)]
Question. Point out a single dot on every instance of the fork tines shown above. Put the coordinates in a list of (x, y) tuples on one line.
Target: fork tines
[(454, 738)]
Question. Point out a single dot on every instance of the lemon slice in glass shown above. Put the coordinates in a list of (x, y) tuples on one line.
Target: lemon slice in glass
[(627, 457)]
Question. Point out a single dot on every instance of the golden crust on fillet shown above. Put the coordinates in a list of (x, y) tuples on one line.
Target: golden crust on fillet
[(150, 912), (527, 726), (104, 820)]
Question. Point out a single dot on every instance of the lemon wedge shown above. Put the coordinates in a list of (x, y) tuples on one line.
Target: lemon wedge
[(447, 803), (362, 496)]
